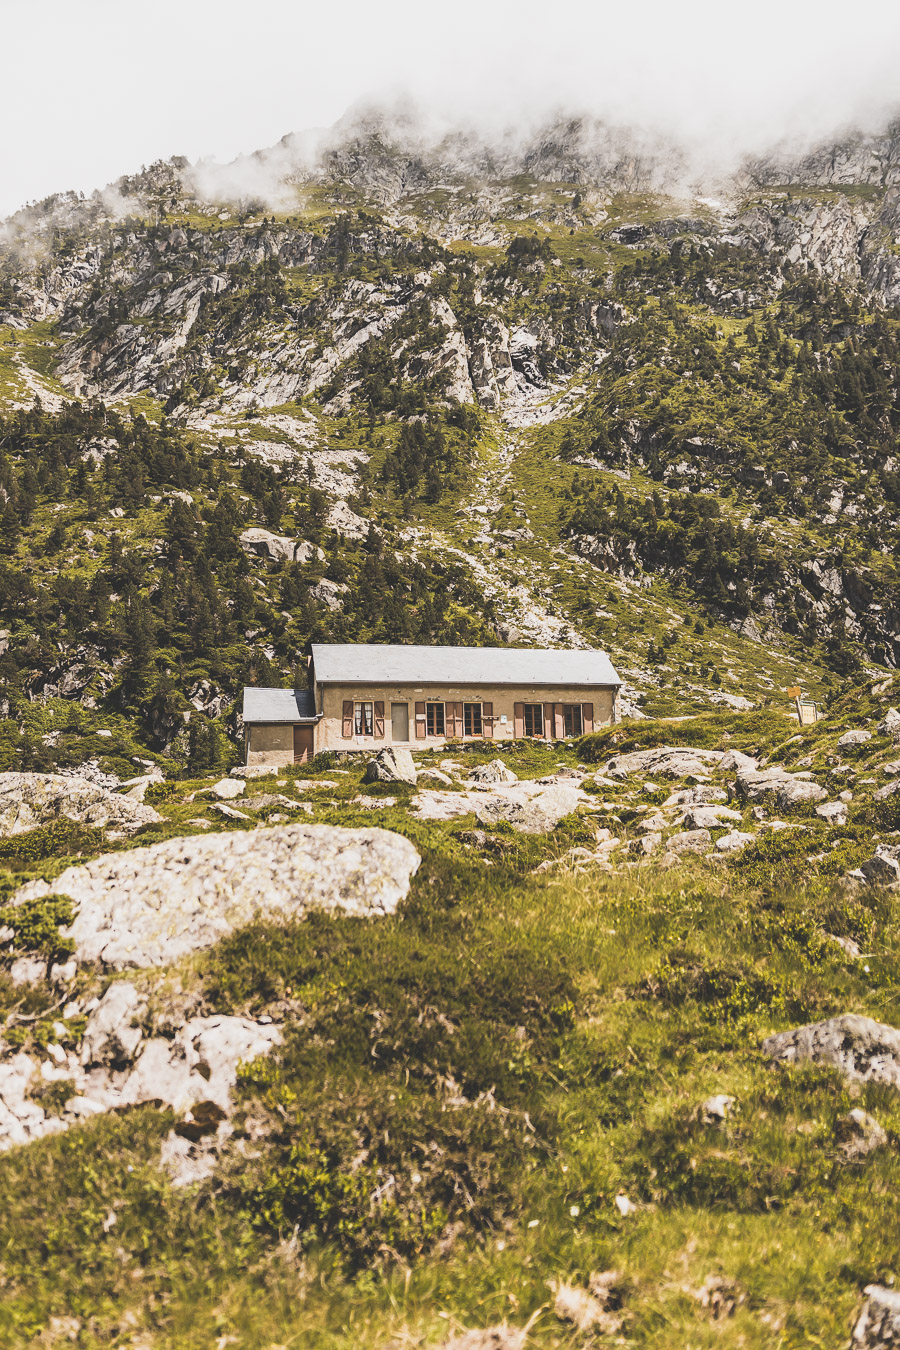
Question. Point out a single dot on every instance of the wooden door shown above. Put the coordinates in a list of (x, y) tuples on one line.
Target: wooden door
[(399, 722), (304, 747)]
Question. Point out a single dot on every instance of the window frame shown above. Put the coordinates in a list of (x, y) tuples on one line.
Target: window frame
[(473, 712), (573, 714), (431, 718), (359, 717), (530, 712)]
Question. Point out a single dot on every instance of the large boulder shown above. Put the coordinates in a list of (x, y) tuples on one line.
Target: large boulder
[(863, 1050), (532, 814), (264, 544), (150, 906), (756, 785), (492, 774), (833, 813), (30, 800), (666, 761), (737, 760), (855, 737), (883, 868), (878, 1323), (689, 841), (708, 817), (393, 764)]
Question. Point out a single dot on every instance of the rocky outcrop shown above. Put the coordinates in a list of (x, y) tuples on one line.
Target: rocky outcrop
[(532, 807), (393, 764), (757, 785), (863, 1050), (536, 814), (192, 1071), (878, 1324), (859, 1134), (30, 800), (665, 761), (492, 774), (264, 544), (154, 905)]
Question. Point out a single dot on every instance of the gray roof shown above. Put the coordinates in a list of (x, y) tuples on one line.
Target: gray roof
[(279, 705), (379, 663)]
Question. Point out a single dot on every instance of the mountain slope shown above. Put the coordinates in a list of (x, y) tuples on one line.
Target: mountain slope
[(653, 422)]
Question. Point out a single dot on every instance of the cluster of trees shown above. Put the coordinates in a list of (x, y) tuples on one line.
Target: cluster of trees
[(685, 534), (160, 602)]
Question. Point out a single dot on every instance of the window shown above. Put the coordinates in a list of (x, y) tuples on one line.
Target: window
[(534, 719), (434, 719), (572, 718), (363, 719), (471, 719)]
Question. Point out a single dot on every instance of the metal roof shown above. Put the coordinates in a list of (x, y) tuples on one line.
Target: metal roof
[(279, 705), (381, 663)]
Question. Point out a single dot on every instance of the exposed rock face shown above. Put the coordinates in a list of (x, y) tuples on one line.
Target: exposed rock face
[(265, 544), (863, 1050), (29, 800), (667, 761), (151, 906), (198, 1066), (111, 1036), (493, 773), (393, 764)]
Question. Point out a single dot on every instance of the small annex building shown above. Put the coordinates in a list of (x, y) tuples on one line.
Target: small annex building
[(367, 695), (364, 696)]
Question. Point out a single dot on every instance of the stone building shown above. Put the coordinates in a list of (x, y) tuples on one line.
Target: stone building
[(364, 696)]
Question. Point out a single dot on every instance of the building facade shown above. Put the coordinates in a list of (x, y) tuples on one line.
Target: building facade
[(365, 696)]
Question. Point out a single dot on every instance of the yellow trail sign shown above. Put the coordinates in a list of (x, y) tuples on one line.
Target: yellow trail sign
[(794, 692)]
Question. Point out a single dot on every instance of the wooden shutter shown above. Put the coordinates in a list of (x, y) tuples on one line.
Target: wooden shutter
[(587, 716), (487, 720), (347, 729), (453, 717), (559, 719), (421, 729), (519, 714), (379, 721), (548, 721)]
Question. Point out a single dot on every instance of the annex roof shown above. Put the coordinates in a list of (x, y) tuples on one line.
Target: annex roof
[(279, 705), (382, 663)]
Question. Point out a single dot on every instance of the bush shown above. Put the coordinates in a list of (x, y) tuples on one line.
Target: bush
[(64, 838), (36, 924)]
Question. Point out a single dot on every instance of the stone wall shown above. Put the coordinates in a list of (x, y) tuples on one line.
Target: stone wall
[(270, 745), (330, 699)]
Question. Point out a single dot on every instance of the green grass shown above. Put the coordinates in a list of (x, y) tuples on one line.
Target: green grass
[(466, 1087)]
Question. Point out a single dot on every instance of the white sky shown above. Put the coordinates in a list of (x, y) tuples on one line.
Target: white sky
[(96, 88)]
